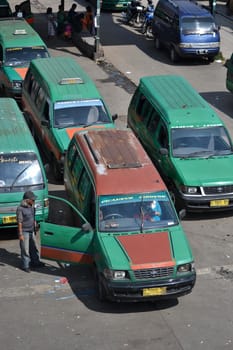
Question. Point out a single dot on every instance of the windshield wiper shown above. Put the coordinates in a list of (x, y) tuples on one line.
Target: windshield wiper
[(12, 185)]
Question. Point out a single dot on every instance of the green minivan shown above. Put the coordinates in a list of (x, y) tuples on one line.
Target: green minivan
[(58, 99), (186, 140), (127, 228), (19, 44), (229, 77), (21, 167)]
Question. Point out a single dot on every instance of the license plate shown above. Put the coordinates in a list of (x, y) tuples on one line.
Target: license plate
[(147, 292), (219, 203), (9, 220)]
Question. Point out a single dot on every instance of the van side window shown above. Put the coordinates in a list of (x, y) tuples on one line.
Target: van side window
[(153, 121), (28, 82), (163, 137), (175, 23), (1, 53), (40, 98), (34, 90), (140, 105), (85, 194), (45, 112)]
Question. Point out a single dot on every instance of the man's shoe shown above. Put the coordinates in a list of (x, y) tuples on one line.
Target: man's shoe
[(37, 265), (26, 269)]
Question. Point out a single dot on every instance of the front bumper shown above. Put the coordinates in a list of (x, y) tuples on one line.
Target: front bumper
[(133, 292), (203, 203)]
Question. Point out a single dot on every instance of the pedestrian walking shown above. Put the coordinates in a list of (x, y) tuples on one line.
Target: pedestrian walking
[(25, 214), (71, 14), (52, 25), (61, 19)]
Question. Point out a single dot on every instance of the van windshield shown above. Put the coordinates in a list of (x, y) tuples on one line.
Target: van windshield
[(139, 212), (18, 171), (80, 113), (16, 56), (197, 25), (200, 142)]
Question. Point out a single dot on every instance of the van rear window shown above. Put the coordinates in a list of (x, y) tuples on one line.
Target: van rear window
[(16, 56), (197, 25), (19, 170)]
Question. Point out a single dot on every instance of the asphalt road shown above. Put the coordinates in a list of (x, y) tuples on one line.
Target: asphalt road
[(57, 308)]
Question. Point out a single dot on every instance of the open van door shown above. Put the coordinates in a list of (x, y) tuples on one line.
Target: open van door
[(66, 236)]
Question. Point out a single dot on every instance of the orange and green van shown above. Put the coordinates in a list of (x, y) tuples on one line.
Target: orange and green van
[(58, 99), (19, 44), (126, 228)]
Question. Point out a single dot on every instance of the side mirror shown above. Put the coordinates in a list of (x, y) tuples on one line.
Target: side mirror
[(87, 227), (45, 123), (163, 151), (114, 117)]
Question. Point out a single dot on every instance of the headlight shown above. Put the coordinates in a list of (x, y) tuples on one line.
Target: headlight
[(184, 268), (17, 84), (114, 274), (190, 190), (46, 202)]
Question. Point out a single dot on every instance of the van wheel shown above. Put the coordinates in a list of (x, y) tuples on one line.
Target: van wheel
[(56, 169), (173, 55), (157, 43), (100, 286), (178, 203), (210, 59)]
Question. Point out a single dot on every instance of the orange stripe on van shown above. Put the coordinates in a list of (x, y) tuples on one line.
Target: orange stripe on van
[(71, 131), (66, 255), (21, 71)]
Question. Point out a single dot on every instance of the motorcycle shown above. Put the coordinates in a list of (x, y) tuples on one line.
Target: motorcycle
[(147, 23), (134, 13)]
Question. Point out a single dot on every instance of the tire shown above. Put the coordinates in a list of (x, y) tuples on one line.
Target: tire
[(177, 201), (157, 43), (210, 59), (149, 31), (56, 169), (101, 292), (173, 55), (144, 28)]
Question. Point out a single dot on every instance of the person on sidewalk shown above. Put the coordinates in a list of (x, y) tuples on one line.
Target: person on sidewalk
[(52, 24), (61, 19), (25, 214)]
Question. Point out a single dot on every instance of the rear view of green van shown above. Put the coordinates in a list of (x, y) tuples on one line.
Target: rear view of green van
[(229, 77), (186, 140), (21, 168)]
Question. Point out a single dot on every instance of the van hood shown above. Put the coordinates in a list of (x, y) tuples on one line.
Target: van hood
[(203, 171), (146, 250), (15, 73)]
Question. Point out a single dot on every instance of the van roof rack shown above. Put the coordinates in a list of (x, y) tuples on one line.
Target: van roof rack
[(116, 157), (20, 32), (68, 81)]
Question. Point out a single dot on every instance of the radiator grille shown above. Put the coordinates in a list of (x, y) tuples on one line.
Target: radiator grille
[(154, 273), (218, 189)]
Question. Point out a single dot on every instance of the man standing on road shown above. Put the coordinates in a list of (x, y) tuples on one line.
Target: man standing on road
[(26, 230)]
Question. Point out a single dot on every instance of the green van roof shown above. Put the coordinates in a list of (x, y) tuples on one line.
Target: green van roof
[(64, 79), (15, 135), (180, 104), (16, 32)]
